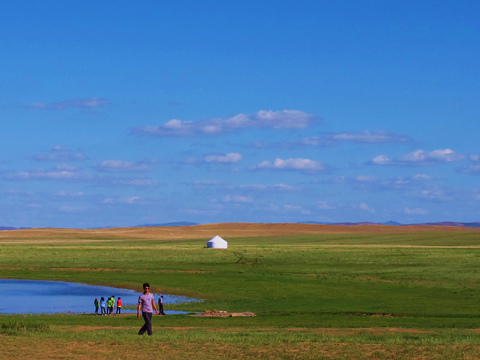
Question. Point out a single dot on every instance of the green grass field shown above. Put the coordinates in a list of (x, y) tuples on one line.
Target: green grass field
[(317, 296)]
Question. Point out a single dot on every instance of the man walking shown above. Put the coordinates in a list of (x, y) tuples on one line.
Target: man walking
[(146, 304)]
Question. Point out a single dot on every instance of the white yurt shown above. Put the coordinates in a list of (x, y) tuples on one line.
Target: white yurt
[(217, 243)]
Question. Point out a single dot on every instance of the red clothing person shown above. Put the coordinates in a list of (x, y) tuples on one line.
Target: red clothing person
[(119, 306)]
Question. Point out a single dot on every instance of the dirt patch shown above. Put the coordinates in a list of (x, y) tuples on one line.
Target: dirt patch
[(92, 328), (326, 331), (85, 269), (224, 314)]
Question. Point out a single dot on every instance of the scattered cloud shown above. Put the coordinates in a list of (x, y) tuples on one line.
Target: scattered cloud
[(124, 200), (416, 211), (223, 159), (18, 192), (70, 209), (124, 166), (48, 175), (60, 154), (393, 183), (368, 136), (474, 166), (419, 157), (471, 169), (324, 205), (267, 187), (237, 199), (84, 104), (292, 164), (332, 139), (434, 193), (288, 208), (364, 207), (63, 193), (135, 182), (285, 119)]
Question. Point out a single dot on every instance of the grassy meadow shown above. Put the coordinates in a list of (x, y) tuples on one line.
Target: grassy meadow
[(318, 292)]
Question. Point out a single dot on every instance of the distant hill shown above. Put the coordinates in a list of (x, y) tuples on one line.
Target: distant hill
[(12, 228), (390, 223), (450, 223), (178, 223), (7, 228), (394, 223)]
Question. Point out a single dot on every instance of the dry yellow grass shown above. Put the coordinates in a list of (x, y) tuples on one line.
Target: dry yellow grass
[(230, 230)]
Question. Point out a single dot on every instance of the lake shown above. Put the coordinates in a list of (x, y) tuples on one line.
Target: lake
[(52, 297)]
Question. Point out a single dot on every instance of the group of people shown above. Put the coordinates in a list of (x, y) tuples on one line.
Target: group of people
[(107, 306)]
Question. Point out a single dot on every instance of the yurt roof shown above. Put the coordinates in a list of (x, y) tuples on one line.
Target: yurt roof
[(217, 239)]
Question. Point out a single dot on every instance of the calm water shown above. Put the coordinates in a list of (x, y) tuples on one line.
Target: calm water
[(49, 297)]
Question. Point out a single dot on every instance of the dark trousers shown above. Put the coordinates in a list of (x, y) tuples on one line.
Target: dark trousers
[(148, 324)]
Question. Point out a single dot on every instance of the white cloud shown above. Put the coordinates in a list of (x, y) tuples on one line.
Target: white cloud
[(237, 199), (135, 182), (416, 211), (227, 158), (292, 164), (435, 194), (64, 193), (369, 137), (60, 154), (471, 169), (366, 178), (67, 167), (363, 206), (87, 103), (315, 141), (288, 208), (324, 205), (47, 175), (446, 155), (69, 209), (285, 119), (19, 192), (81, 103), (421, 177), (267, 187), (123, 166), (420, 157), (381, 160), (124, 200)]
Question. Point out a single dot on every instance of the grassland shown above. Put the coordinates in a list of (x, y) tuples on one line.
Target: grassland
[(319, 292)]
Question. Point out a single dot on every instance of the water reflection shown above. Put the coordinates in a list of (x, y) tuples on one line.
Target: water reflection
[(50, 297)]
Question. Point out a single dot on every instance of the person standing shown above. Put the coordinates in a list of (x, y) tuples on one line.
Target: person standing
[(146, 304), (110, 303), (95, 302), (160, 305), (119, 306), (103, 306)]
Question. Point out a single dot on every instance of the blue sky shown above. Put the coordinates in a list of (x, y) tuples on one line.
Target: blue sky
[(121, 113)]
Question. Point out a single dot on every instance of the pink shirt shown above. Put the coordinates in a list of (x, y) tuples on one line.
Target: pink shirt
[(146, 301)]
